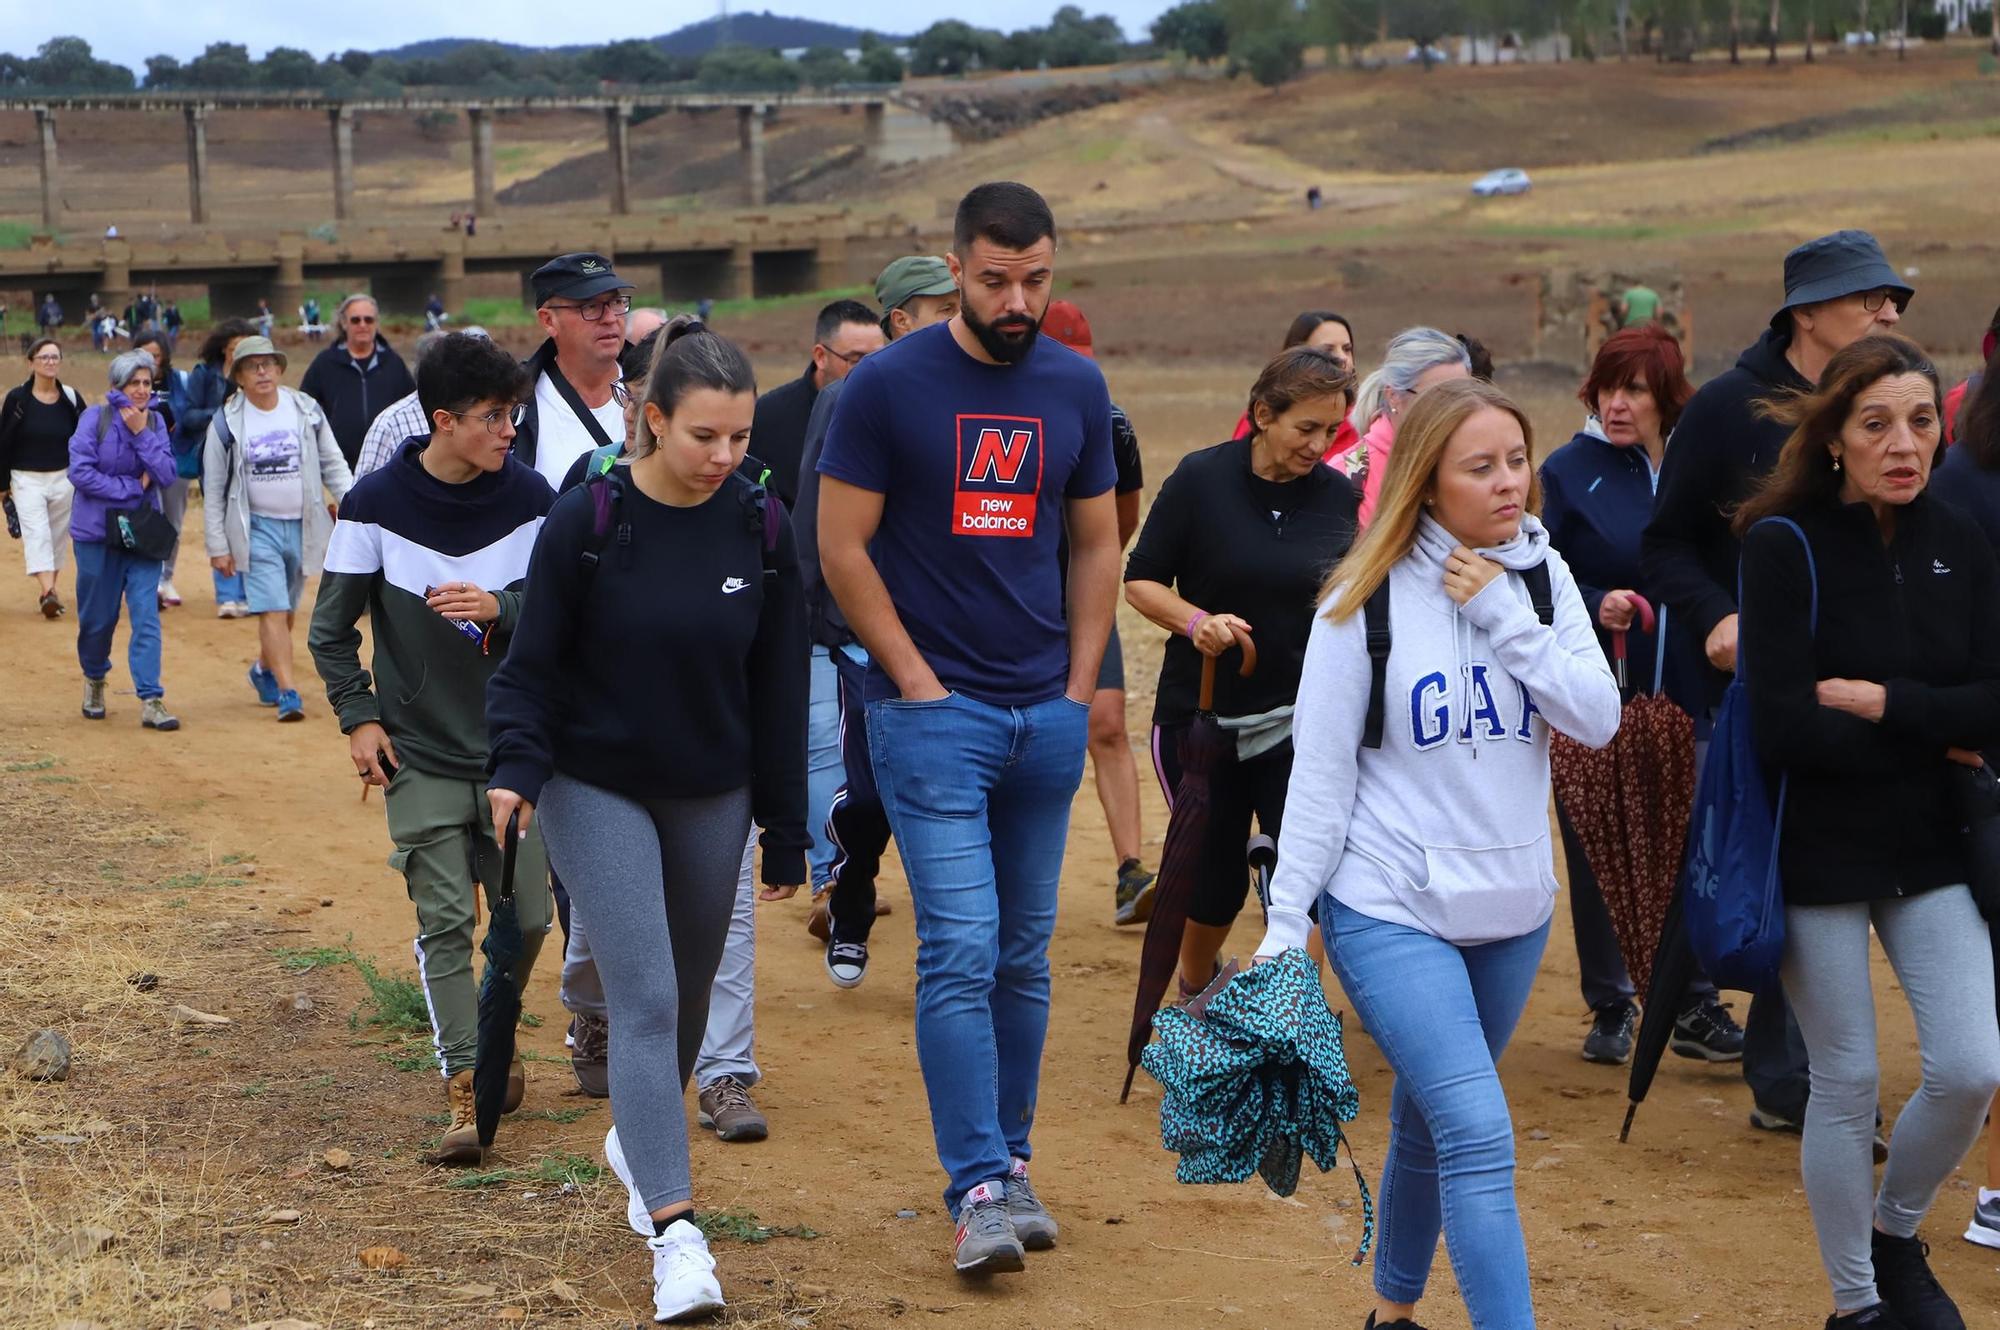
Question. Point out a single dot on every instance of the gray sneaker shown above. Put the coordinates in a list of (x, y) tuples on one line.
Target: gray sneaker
[(1985, 1229), (153, 716), (93, 699), (986, 1243), (1033, 1224), (725, 1109)]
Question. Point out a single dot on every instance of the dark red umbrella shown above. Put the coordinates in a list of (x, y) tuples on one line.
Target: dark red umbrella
[(1184, 857), (1629, 803)]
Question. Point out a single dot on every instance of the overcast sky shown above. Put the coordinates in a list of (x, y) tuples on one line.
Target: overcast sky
[(128, 31)]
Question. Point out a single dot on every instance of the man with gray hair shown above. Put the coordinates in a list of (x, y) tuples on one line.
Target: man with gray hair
[(403, 419), (356, 378)]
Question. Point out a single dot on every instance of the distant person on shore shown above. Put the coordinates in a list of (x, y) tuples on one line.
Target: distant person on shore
[(434, 313), (309, 323), (170, 319), (119, 460), (1110, 744), (914, 291), (207, 387), (356, 378), (579, 396), (265, 320), (37, 421), (433, 547), (1638, 306), (1416, 359), (268, 465), (1322, 330), (403, 419), (1838, 289), (50, 315)]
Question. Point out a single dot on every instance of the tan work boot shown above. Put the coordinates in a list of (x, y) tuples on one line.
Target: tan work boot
[(724, 1108), (460, 1143), (517, 1085)]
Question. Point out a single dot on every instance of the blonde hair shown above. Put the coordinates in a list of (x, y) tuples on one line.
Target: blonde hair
[(1421, 438)]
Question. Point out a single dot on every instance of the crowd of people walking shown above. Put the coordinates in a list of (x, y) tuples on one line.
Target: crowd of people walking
[(699, 648)]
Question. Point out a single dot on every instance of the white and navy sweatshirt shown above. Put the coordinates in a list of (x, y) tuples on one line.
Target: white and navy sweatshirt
[(1445, 827)]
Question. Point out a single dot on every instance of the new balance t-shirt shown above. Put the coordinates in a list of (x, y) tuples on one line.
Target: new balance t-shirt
[(974, 463)]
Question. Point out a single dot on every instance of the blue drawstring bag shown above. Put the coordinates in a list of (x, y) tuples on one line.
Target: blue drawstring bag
[(1733, 898)]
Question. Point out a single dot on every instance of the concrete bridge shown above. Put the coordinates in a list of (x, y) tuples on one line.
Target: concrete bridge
[(751, 110), (722, 256)]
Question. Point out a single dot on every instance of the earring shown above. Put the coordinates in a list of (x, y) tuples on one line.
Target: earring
[(1836, 461)]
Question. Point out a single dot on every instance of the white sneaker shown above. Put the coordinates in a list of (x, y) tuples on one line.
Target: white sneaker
[(636, 1213), (684, 1282), (169, 598), (233, 609)]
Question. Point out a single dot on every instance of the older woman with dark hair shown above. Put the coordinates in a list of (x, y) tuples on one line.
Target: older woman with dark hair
[(1871, 657), (1329, 333), (119, 461), (1597, 494)]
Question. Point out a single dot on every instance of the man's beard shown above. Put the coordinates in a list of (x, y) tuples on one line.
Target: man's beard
[(1009, 340)]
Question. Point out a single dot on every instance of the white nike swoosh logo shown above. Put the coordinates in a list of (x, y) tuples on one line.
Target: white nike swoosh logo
[(732, 585)]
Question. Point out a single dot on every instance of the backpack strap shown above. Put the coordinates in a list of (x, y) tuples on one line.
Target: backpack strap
[(1540, 594), (1375, 615), (1812, 574), (607, 497)]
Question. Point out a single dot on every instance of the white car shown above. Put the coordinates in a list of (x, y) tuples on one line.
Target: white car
[(1510, 180)]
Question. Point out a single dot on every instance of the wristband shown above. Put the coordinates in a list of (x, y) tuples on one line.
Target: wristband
[(1195, 622)]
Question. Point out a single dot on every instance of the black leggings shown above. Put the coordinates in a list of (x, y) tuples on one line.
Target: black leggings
[(1237, 792)]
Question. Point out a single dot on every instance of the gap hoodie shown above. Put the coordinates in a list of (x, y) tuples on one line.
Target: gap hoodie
[(1445, 827)]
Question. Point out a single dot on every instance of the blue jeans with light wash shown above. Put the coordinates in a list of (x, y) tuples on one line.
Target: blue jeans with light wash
[(823, 764), (979, 799), (107, 574), (1442, 1015)]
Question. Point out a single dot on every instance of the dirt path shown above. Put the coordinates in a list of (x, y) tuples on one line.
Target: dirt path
[(1698, 1220)]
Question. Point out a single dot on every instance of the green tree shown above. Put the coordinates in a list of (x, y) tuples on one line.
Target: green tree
[(632, 61), (826, 67), (1195, 28), (1071, 39), (162, 71), (1272, 56), (740, 68), (1425, 23), (67, 62), (289, 67), (355, 62), (222, 65), (1343, 23), (879, 61), (951, 46)]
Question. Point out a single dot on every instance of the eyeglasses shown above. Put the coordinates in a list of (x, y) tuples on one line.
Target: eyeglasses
[(1872, 301), (360, 320), (49, 358), (622, 395), (513, 415), (852, 358), (593, 311)]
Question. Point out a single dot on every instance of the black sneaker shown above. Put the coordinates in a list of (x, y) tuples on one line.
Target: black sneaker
[(847, 963), (1904, 1279), (1878, 1317), (1402, 1323), (1135, 893), (1610, 1037), (1707, 1031)]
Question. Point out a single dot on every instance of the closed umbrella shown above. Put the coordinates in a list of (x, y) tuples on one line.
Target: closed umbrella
[(499, 997), (1255, 1080), (1672, 967), (1630, 802), (1184, 856)]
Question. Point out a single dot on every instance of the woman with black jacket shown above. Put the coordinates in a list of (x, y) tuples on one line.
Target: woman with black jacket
[(652, 702), (1969, 480), (1871, 713), (1243, 536), (36, 422)]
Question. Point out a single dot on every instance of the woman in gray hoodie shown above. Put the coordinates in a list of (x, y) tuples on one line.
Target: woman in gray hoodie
[(1418, 817)]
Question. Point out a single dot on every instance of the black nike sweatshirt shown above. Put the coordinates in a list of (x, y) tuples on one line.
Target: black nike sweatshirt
[(677, 668)]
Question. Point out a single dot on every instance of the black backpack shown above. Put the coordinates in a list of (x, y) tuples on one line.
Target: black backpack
[(1376, 616), (763, 511)]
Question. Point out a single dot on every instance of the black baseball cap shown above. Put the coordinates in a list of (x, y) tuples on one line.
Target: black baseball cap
[(575, 277)]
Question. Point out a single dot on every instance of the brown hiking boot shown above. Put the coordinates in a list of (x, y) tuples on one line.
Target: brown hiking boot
[(590, 1054), (517, 1085), (460, 1143), (727, 1111)]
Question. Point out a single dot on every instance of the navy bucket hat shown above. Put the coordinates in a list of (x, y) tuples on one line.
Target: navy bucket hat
[(1838, 265)]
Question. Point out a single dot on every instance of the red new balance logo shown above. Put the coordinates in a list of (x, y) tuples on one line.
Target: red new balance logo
[(995, 459)]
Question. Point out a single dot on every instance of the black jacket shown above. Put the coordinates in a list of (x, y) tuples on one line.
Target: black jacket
[(1961, 482), (14, 409), (1721, 448), (1871, 813), (1215, 536), (778, 432), (352, 394)]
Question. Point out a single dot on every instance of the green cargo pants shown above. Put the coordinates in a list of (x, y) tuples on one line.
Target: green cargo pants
[(443, 831)]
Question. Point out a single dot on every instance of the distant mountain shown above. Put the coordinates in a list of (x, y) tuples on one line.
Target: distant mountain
[(766, 31)]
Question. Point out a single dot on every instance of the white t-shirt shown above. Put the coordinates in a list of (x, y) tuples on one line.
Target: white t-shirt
[(561, 438), (271, 458)]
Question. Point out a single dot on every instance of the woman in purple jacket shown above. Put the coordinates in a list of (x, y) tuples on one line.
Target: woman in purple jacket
[(119, 458)]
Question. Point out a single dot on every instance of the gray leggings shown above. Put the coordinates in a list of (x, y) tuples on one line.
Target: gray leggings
[(657, 880), (1943, 957)]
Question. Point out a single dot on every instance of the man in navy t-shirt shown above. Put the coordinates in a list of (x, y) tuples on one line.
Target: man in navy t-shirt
[(955, 460)]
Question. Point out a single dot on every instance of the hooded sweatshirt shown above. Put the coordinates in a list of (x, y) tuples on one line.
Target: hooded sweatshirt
[(1445, 827)]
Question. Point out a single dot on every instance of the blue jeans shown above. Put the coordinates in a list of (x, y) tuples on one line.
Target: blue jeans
[(979, 798), (1442, 1015), (823, 765), (228, 589), (105, 574)]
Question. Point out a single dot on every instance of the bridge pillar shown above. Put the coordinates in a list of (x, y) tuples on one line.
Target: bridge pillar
[(45, 131), (829, 263), (742, 272), (290, 290), (750, 134), (116, 285), (451, 283), (876, 132), (342, 121), (197, 134), (483, 195), (618, 129)]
